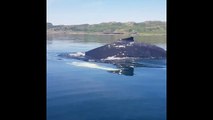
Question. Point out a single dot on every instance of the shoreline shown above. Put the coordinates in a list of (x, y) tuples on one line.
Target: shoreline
[(49, 33)]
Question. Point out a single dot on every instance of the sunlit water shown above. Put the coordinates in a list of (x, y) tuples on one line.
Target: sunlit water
[(79, 90)]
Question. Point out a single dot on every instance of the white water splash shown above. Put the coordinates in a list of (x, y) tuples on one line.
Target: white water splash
[(92, 65), (115, 58), (78, 54)]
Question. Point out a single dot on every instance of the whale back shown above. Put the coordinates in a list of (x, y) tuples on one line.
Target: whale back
[(126, 47)]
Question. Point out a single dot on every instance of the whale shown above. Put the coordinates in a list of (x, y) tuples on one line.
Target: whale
[(125, 54), (127, 47)]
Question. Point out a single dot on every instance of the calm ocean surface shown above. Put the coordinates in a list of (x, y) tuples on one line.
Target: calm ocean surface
[(86, 93)]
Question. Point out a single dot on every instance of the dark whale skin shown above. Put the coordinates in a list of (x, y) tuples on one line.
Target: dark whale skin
[(127, 48)]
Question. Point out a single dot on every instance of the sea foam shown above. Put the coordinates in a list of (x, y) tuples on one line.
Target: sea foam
[(92, 65)]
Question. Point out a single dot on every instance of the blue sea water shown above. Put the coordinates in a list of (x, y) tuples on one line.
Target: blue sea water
[(87, 93)]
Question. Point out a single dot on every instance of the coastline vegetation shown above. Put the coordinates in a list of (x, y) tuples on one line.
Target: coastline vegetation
[(111, 28), (149, 31)]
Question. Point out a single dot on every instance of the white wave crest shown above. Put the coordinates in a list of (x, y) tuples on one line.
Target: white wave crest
[(77, 54), (92, 65)]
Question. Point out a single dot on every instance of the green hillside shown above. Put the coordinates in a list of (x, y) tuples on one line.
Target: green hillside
[(148, 27)]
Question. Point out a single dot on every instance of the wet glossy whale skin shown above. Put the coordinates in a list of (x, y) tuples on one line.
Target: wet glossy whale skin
[(127, 47)]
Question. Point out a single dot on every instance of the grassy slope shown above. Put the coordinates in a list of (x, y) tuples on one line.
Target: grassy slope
[(143, 28)]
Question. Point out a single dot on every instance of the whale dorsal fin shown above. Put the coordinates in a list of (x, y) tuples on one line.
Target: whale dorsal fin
[(129, 39)]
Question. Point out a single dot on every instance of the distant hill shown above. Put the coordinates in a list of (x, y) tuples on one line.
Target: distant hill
[(154, 27)]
